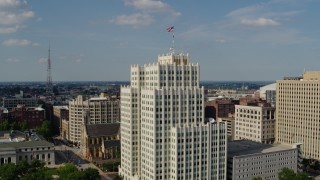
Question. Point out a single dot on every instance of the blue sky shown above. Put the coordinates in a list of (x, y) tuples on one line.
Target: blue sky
[(99, 40)]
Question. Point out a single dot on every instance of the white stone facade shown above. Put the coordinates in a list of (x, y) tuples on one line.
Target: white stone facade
[(255, 123), (163, 101)]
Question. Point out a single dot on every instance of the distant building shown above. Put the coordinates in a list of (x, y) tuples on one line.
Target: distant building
[(16, 146), (298, 109), (271, 96), (256, 123), (248, 159), (100, 110), (13, 102), (219, 108), (60, 113), (230, 123), (96, 136), (33, 116), (264, 89)]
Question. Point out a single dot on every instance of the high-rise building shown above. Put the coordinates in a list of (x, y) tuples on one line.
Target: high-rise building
[(163, 133), (255, 123), (297, 114), (99, 110)]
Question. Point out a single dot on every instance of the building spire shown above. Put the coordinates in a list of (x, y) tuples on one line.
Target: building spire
[(49, 88)]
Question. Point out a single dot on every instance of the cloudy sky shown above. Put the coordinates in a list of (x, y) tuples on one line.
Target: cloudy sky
[(99, 40)]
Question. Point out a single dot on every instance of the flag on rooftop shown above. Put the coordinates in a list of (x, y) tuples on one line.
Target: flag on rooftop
[(170, 29)]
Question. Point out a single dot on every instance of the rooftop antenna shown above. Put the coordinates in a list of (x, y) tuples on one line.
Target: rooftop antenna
[(49, 77), (171, 29)]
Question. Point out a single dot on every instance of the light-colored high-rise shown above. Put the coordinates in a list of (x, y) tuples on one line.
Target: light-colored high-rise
[(100, 110), (163, 134), (255, 123), (298, 113)]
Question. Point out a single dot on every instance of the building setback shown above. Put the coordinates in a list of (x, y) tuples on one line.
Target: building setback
[(298, 109), (163, 133)]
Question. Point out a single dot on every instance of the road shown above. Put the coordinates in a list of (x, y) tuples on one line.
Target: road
[(66, 154)]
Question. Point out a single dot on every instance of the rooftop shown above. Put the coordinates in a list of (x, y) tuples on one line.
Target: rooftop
[(246, 147), (25, 144), (96, 130)]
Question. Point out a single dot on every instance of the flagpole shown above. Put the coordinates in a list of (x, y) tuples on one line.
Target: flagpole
[(173, 42)]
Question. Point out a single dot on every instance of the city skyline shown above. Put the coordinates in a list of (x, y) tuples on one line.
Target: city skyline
[(99, 40)]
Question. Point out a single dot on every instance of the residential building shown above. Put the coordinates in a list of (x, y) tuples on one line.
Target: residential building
[(163, 133), (100, 110), (297, 114), (94, 137), (256, 123), (16, 146), (248, 159)]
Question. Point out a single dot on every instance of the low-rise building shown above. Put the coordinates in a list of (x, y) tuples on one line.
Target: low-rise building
[(33, 116), (248, 159), (60, 113), (16, 146)]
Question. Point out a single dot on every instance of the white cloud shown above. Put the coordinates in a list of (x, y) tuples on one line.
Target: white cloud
[(148, 5), (260, 22), (12, 60), (13, 14), (17, 42), (42, 60), (134, 20), (7, 30)]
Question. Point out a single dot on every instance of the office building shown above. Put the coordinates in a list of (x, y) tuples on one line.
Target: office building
[(298, 109), (256, 123), (248, 159), (231, 126), (219, 108), (12, 102), (163, 134), (98, 110)]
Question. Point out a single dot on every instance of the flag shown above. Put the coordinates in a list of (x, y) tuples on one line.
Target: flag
[(170, 29)]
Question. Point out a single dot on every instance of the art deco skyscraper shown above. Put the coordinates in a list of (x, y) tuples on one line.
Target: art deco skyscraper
[(163, 134), (298, 113)]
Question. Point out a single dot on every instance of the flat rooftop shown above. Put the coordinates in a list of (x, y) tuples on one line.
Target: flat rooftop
[(246, 147)]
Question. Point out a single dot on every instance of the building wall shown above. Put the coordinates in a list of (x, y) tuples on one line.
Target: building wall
[(59, 113), (264, 165), (298, 109), (32, 116), (10, 103), (255, 123), (230, 125)]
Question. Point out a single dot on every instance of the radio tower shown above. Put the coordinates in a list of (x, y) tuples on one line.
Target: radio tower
[(49, 89)]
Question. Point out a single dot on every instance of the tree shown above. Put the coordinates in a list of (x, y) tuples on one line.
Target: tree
[(91, 174), (117, 177), (45, 130), (8, 172), (289, 174), (66, 170)]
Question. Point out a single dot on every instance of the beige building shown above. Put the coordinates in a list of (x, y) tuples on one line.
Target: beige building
[(298, 113), (163, 131), (99, 110), (256, 123), (231, 126), (248, 159), (60, 113)]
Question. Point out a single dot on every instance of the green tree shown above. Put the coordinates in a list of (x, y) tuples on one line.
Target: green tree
[(66, 170), (8, 172), (117, 177), (45, 130), (289, 174), (91, 174)]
